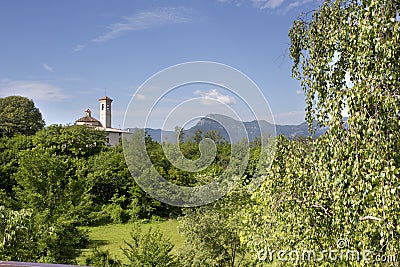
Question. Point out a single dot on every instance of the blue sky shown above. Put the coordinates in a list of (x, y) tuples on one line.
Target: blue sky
[(65, 55)]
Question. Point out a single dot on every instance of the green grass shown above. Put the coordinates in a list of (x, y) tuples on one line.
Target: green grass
[(111, 237)]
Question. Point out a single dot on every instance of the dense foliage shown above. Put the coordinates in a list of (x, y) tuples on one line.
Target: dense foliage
[(344, 186), (148, 248), (18, 115), (339, 192), (212, 233), (60, 178)]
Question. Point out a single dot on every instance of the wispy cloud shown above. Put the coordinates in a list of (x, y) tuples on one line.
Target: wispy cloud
[(293, 5), (78, 48), (281, 6), (32, 89), (299, 92), (140, 97), (302, 4), (47, 67), (145, 20), (269, 4), (213, 95)]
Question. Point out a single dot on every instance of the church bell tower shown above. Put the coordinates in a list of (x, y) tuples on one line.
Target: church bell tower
[(105, 111)]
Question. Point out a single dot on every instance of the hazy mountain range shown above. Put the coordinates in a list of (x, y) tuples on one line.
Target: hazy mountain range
[(237, 129)]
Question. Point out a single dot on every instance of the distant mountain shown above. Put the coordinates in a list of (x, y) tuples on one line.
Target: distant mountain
[(237, 129), (253, 128)]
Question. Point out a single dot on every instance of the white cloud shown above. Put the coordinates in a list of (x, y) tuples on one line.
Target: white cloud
[(214, 95), (300, 3), (140, 97), (270, 4), (145, 20), (47, 67), (299, 92), (32, 89), (78, 48), (293, 5)]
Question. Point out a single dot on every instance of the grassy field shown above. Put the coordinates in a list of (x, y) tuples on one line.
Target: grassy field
[(111, 237)]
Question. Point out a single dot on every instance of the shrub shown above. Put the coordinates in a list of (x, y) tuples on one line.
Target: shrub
[(148, 248)]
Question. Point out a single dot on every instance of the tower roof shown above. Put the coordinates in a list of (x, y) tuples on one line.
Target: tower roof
[(105, 98), (88, 119)]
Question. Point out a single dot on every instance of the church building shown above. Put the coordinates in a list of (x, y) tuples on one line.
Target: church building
[(113, 134)]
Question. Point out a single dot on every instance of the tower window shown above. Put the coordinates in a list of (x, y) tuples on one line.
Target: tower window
[(102, 106)]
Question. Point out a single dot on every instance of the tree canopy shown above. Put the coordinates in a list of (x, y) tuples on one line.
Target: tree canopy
[(18, 115), (345, 184)]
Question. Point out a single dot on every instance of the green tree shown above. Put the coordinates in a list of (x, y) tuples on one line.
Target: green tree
[(49, 171), (198, 136), (345, 184), (9, 158), (19, 115), (29, 236), (76, 141), (61, 239), (212, 233), (180, 134), (361, 156), (108, 181), (44, 186), (47, 182), (148, 248), (17, 235), (214, 135)]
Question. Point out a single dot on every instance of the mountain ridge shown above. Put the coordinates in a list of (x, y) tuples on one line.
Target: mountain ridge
[(237, 129)]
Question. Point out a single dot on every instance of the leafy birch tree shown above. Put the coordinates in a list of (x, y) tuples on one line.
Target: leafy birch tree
[(345, 185)]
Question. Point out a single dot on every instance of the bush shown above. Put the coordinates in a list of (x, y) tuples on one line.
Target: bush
[(101, 258), (149, 248), (114, 210), (29, 236)]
